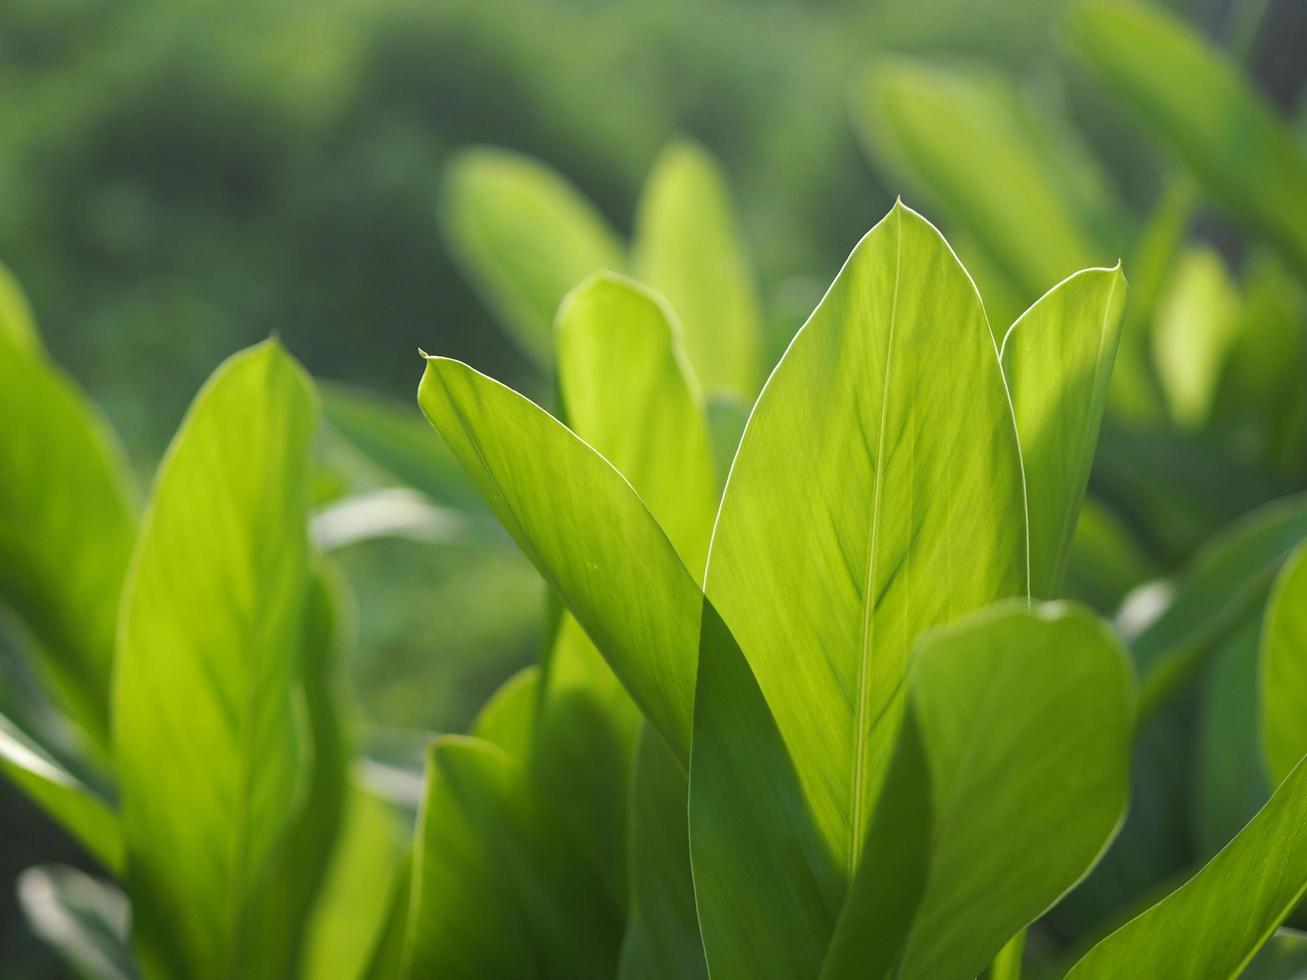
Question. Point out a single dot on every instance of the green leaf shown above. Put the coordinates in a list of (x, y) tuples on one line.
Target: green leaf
[(1228, 578), (586, 530), (1026, 720), (82, 918), (524, 236), (17, 324), (1106, 562), (1214, 923), (687, 247), (882, 448), (78, 809), (1284, 957), (1194, 333), (1196, 102), (1057, 358), (1284, 669), (206, 736), (662, 931), (1018, 187), (67, 523)]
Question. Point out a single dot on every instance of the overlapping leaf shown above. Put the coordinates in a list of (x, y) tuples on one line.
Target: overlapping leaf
[(1284, 669)]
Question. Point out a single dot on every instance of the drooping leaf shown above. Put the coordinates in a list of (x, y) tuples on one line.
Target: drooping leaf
[(1213, 924), (586, 530), (1225, 581), (524, 236), (82, 918), (17, 325), (76, 807), (206, 737), (1284, 669), (1195, 100), (1195, 329), (687, 247), (1057, 358), (1026, 720), (67, 523)]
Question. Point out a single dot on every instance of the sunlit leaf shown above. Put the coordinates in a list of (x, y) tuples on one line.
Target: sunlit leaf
[(17, 325), (524, 236), (207, 743), (1284, 669), (687, 247)]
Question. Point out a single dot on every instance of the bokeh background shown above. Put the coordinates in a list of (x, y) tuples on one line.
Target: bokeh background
[(177, 182)]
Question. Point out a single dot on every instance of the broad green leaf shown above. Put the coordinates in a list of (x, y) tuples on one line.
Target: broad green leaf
[(364, 873), (1195, 100), (687, 247), (67, 523), (77, 808), (1194, 333), (1284, 669), (1057, 358), (524, 236), (82, 918), (1214, 923), (881, 449), (586, 530), (1224, 583), (487, 862), (662, 930), (1284, 957), (17, 324), (1026, 720), (966, 139), (207, 744)]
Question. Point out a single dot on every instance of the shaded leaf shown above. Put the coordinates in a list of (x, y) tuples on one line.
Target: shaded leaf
[(82, 918)]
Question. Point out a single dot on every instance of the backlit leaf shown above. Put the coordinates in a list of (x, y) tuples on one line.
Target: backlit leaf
[(1284, 669)]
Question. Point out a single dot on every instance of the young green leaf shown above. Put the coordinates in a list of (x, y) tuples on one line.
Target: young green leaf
[(1057, 358), (587, 531), (525, 237), (1214, 923), (1284, 669), (207, 745), (67, 523), (686, 247), (1196, 102), (1026, 719), (90, 819), (17, 325)]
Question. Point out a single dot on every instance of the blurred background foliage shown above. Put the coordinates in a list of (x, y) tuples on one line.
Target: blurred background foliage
[(177, 182)]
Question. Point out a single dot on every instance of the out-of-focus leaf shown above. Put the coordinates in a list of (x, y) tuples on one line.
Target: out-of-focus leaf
[(1284, 669), (76, 807), (67, 523), (687, 248), (587, 531), (1026, 720), (1229, 782), (208, 746), (1284, 957), (662, 930), (524, 236), (1195, 100), (882, 448), (83, 918), (387, 960), (395, 512), (489, 859), (17, 325), (1226, 580), (1032, 201), (1106, 562), (1195, 330), (727, 416), (350, 915), (1057, 358), (1212, 925)]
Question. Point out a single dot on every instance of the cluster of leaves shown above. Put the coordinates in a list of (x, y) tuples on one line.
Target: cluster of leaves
[(805, 708)]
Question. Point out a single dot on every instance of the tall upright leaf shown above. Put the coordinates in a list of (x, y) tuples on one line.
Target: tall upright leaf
[(67, 523), (1284, 669), (1195, 100), (687, 247), (205, 732), (1213, 924), (1058, 358), (525, 236)]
